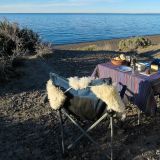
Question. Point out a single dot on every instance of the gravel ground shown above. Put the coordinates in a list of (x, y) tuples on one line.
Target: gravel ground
[(29, 129)]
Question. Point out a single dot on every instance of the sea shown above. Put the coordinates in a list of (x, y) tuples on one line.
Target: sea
[(75, 28)]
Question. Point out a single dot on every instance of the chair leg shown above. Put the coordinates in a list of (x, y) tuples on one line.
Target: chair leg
[(80, 128), (139, 116), (111, 124), (89, 129), (62, 132), (83, 131)]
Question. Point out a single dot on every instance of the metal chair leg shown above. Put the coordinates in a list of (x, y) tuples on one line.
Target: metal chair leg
[(89, 129), (83, 131), (62, 132), (111, 124), (139, 117)]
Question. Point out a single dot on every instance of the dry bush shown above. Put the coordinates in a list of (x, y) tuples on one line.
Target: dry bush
[(43, 49), (16, 42), (29, 40), (133, 43)]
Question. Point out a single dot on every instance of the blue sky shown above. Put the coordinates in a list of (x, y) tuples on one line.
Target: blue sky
[(80, 6)]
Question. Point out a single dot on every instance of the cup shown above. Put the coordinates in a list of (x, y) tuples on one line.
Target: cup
[(140, 67)]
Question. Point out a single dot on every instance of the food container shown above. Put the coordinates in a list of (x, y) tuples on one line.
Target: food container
[(154, 67), (118, 62), (140, 67)]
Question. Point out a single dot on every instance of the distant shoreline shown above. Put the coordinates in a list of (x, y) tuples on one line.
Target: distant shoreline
[(112, 43)]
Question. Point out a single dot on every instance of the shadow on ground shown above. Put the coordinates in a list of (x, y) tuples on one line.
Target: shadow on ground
[(67, 63), (35, 71), (151, 54), (39, 139), (30, 129)]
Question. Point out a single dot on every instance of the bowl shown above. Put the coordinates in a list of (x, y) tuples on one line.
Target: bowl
[(118, 62)]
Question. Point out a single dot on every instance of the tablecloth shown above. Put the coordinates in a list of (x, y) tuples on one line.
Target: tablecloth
[(140, 88)]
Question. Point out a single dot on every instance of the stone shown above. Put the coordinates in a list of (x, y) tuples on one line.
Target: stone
[(44, 99)]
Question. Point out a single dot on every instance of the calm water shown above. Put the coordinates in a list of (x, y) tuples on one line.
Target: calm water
[(73, 28)]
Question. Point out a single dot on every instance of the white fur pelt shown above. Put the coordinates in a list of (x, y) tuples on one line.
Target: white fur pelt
[(110, 96), (79, 83), (55, 96)]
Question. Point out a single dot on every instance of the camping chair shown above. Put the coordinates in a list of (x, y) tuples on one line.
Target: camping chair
[(81, 103)]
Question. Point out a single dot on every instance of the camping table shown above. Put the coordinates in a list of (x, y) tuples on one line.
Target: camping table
[(141, 88)]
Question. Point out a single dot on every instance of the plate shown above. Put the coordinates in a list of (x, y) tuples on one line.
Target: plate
[(145, 74), (124, 69), (147, 64)]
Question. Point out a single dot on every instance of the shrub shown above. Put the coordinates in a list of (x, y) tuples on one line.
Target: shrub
[(29, 40), (16, 42), (133, 43), (7, 36), (43, 49)]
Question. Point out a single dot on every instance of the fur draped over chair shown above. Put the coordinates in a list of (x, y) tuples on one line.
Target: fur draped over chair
[(107, 93), (110, 96), (55, 96), (79, 83)]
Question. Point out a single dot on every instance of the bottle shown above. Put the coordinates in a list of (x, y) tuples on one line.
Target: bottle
[(148, 71), (134, 61), (133, 64)]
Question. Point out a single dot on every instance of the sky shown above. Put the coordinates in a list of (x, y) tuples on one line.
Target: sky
[(79, 6)]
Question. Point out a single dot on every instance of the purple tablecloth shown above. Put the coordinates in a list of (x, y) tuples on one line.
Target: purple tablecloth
[(141, 87)]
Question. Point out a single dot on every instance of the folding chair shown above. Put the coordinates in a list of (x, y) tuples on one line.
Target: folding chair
[(82, 104)]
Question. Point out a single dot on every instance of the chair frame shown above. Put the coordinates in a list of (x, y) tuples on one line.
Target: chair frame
[(84, 132), (64, 111)]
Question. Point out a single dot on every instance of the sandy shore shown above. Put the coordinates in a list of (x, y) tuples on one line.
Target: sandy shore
[(104, 44)]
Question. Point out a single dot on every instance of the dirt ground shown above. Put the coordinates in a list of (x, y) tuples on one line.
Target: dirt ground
[(29, 128)]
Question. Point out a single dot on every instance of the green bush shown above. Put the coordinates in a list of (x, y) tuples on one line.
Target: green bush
[(133, 43)]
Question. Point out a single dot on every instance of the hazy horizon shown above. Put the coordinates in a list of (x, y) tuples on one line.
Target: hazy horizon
[(80, 6), (79, 13)]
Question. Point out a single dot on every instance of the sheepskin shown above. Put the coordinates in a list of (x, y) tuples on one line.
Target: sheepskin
[(79, 83), (55, 96), (110, 96)]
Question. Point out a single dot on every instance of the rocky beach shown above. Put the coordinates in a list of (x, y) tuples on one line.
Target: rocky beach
[(30, 128)]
